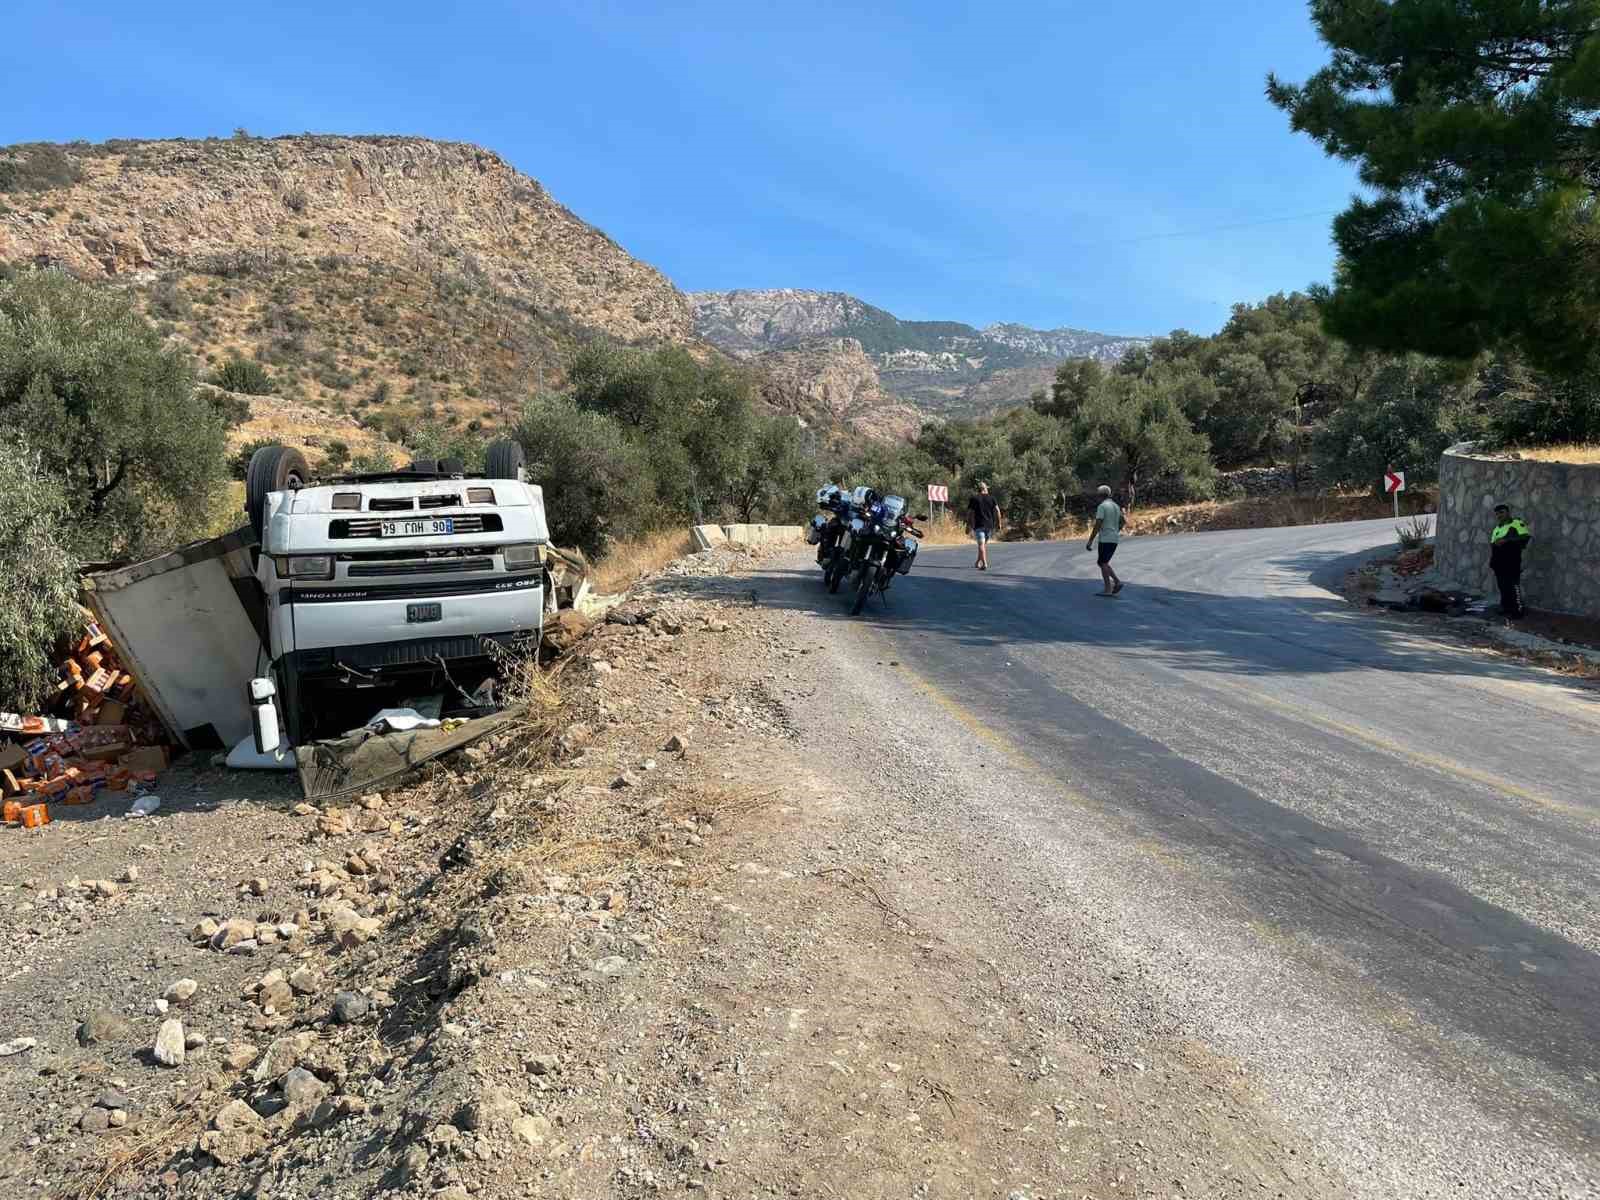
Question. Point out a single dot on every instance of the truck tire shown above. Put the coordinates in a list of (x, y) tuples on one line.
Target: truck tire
[(425, 466), (272, 469), (452, 466), (505, 460)]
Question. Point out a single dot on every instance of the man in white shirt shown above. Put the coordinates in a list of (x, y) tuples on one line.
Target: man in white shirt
[(1108, 528)]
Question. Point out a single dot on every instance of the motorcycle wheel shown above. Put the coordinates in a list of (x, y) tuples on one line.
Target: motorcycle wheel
[(835, 576), (863, 588)]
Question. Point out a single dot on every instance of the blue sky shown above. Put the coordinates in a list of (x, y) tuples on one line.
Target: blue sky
[(1054, 164)]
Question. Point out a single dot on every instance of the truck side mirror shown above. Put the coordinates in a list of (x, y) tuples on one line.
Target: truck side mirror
[(264, 715)]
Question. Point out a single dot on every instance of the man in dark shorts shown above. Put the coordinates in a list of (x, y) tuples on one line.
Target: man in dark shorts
[(983, 519), (1108, 528)]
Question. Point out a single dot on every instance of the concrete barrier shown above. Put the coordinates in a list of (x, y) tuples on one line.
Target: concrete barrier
[(763, 535), (710, 537)]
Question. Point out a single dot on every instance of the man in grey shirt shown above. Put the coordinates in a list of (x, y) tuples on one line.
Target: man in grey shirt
[(1108, 528)]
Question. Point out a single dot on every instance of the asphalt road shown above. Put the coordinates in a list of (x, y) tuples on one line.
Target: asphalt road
[(1375, 851)]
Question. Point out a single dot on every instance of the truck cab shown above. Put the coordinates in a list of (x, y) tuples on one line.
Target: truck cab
[(384, 590)]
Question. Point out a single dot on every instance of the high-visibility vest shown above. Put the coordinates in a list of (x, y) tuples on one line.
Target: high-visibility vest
[(1513, 526)]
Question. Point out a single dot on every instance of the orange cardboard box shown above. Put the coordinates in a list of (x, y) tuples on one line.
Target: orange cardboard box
[(79, 795), (107, 754), (11, 811), (35, 815), (112, 712), (146, 758)]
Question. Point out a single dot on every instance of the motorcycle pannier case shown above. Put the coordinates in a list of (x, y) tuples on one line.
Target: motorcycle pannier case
[(814, 530), (903, 567)]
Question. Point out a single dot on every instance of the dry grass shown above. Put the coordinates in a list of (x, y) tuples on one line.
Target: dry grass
[(630, 561), (1586, 453), (944, 529), (291, 423)]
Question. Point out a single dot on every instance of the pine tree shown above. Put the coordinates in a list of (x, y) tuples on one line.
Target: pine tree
[(1474, 123)]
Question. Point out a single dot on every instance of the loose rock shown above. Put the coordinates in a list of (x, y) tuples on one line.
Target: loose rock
[(350, 1007), (102, 1026), (169, 1048), (181, 992), (302, 1089)]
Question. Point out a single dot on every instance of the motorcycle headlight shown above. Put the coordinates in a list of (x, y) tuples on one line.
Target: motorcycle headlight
[(521, 556), (306, 566)]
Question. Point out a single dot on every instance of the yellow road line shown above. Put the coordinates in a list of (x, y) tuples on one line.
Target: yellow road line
[(1435, 762)]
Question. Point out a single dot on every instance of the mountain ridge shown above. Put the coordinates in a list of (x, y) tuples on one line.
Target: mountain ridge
[(945, 368), (373, 275)]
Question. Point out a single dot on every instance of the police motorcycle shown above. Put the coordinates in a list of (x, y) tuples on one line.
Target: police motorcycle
[(882, 544), (828, 528)]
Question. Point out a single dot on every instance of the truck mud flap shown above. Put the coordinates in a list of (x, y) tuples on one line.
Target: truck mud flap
[(366, 761)]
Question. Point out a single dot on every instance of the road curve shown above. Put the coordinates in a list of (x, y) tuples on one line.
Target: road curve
[(1377, 853)]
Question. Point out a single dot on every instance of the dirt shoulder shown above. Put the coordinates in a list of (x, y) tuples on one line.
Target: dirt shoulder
[(711, 926)]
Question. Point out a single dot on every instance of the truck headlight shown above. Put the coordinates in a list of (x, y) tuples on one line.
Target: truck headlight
[(522, 556), (306, 566)]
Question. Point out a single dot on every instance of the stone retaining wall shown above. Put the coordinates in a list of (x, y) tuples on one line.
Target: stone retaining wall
[(1559, 501)]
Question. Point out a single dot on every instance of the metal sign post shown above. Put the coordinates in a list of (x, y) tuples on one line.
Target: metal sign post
[(1394, 482)]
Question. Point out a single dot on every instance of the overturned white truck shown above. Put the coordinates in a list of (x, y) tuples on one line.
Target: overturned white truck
[(343, 597), (382, 588)]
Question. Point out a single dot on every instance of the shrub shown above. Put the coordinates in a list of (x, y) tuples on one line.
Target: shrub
[(230, 410), (38, 588), (167, 299), (243, 375), (37, 169), (1414, 534), (296, 200), (239, 461), (336, 455), (372, 462), (605, 480)]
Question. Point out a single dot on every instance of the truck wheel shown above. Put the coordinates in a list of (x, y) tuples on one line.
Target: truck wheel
[(452, 466), (425, 466), (505, 460), (272, 469)]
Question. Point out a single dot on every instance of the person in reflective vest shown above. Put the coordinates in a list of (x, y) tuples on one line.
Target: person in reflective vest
[(1505, 558)]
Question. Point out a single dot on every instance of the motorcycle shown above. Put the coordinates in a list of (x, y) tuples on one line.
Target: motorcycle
[(829, 526), (882, 544), (832, 534)]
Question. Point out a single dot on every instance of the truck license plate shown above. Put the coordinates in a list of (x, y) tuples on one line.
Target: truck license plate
[(423, 612), (429, 527)]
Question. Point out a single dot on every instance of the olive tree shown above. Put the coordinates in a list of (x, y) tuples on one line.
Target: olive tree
[(39, 585), (112, 412)]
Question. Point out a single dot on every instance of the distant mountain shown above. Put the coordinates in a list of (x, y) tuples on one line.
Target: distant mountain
[(945, 368)]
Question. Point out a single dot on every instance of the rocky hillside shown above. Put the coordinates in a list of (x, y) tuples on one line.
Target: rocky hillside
[(943, 367), (831, 384), (388, 274)]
